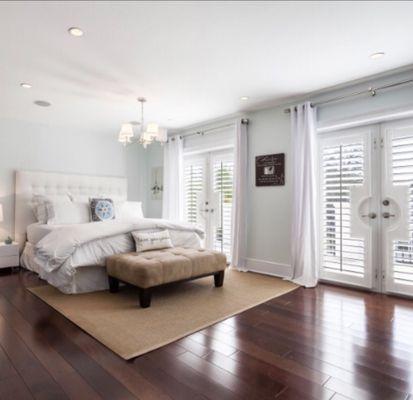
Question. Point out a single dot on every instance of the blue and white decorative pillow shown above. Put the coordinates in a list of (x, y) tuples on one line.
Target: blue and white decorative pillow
[(102, 209)]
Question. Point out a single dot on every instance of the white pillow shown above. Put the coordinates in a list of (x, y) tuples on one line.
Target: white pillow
[(69, 213), (145, 241), (128, 211), (42, 206)]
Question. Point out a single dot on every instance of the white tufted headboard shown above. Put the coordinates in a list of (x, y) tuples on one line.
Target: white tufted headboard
[(29, 183)]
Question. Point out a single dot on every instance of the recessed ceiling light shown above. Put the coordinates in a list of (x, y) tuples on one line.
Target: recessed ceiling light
[(377, 55), (75, 31), (25, 85), (244, 98), (42, 103)]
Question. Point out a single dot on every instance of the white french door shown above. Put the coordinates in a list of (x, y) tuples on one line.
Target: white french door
[(208, 179), (366, 207), (397, 207), (346, 197)]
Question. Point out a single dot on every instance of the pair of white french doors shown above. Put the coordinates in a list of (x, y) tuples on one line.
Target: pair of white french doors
[(366, 207), (208, 181)]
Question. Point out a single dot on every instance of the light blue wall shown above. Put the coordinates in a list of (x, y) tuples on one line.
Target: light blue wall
[(48, 148), (269, 217), (154, 158), (269, 214)]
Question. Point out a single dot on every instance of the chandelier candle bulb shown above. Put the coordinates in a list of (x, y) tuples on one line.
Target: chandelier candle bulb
[(126, 133)]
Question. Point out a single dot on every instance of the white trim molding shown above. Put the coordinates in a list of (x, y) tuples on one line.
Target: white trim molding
[(367, 119), (268, 267)]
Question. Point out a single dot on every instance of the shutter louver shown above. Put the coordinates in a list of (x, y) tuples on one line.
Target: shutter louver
[(342, 168), (194, 185), (402, 171), (222, 183)]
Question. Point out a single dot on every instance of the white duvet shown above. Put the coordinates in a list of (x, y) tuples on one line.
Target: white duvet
[(53, 250)]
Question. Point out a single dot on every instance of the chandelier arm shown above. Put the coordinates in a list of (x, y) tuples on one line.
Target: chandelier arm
[(141, 116)]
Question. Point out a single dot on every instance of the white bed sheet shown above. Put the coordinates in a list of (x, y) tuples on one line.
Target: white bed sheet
[(37, 231)]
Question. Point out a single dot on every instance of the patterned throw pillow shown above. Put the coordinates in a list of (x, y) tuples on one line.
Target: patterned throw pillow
[(145, 241), (102, 209)]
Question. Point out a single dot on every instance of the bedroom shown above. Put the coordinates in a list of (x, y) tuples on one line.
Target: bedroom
[(206, 200)]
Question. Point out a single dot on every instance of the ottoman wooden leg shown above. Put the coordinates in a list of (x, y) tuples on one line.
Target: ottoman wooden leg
[(219, 278), (113, 285), (145, 297)]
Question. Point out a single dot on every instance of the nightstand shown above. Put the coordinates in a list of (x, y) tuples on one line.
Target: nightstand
[(9, 255)]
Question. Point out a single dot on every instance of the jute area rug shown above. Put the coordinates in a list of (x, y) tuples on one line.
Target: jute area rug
[(176, 311)]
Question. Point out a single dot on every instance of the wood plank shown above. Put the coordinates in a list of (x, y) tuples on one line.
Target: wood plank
[(6, 367), (348, 390), (364, 379), (148, 368), (59, 330), (305, 386), (185, 374), (253, 350), (35, 376), (14, 388), (221, 377), (212, 344), (261, 382), (341, 354), (69, 380)]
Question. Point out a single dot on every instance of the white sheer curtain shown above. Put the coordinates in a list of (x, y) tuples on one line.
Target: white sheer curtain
[(239, 202), (304, 237), (173, 190)]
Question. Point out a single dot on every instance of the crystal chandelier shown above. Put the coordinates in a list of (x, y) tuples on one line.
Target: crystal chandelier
[(149, 134)]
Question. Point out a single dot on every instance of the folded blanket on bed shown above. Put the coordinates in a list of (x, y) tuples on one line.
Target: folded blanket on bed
[(56, 247)]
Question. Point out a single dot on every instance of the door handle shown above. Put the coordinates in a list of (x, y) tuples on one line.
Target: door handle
[(388, 215), (371, 215)]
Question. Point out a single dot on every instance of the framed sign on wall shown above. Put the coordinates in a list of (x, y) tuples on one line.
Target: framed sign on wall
[(270, 170)]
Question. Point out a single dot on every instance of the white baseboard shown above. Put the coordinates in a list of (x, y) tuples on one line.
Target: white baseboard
[(268, 267)]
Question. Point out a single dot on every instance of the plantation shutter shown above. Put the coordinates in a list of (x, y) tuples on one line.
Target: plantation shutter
[(402, 171), (342, 168), (223, 173), (194, 186)]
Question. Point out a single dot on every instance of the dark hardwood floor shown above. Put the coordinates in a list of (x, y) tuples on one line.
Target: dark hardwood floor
[(324, 343)]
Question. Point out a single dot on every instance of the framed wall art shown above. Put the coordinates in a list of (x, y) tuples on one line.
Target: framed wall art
[(270, 170)]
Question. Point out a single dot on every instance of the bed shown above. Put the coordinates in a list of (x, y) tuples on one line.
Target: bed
[(72, 257)]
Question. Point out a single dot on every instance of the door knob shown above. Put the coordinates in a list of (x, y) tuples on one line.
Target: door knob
[(386, 202), (388, 215), (371, 215)]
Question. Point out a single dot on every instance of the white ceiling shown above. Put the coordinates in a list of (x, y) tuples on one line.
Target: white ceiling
[(192, 60)]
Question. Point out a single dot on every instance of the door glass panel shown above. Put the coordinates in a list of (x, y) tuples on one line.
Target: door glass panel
[(194, 185), (343, 168), (223, 178), (402, 175)]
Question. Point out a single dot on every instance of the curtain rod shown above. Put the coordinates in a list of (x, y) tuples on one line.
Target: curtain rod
[(371, 90), (244, 121)]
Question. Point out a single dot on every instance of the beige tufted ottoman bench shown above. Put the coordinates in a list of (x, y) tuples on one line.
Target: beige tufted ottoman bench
[(149, 269)]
